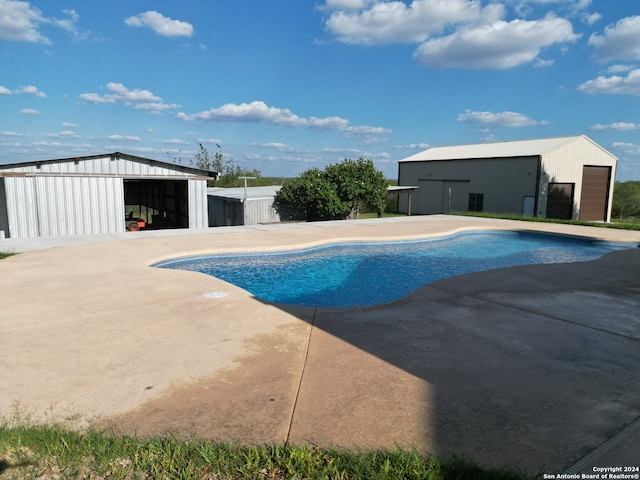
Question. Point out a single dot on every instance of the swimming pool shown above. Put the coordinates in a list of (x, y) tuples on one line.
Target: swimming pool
[(359, 274)]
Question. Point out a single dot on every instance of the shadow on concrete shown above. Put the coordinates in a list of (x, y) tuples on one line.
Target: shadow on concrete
[(532, 366)]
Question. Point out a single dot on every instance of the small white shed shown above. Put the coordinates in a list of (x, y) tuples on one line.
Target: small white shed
[(242, 206), (561, 177), (100, 194)]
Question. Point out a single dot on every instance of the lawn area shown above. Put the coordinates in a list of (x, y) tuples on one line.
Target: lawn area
[(48, 452), (625, 224)]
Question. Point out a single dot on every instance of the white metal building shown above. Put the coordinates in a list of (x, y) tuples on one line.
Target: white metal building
[(561, 177), (100, 194), (242, 206)]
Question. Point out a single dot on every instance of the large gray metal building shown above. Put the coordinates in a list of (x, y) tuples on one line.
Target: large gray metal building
[(95, 194), (562, 177)]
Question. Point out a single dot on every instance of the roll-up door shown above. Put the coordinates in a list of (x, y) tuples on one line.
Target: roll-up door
[(560, 201), (595, 193)]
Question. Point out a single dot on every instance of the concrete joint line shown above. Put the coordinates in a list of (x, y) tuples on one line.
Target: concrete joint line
[(604, 447), (534, 312), (304, 367)]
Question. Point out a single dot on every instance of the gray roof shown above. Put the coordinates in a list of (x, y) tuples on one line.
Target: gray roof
[(519, 148), (113, 156), (253, 193)]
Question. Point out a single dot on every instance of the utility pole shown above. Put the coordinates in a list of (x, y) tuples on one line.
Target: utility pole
[(245, 185)]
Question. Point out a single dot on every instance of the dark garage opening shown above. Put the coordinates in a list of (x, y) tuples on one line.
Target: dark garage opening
[(156, 204)]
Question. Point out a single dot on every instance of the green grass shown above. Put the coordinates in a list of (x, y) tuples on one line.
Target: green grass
[(5, 255), (628, 224), (30, 452)]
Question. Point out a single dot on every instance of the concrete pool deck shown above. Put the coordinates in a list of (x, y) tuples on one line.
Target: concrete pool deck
[(534, 366)]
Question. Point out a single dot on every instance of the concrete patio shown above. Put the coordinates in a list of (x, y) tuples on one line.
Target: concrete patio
[(534, 366)]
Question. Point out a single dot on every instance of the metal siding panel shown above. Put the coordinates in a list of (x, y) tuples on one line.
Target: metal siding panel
[(198, 211), (4, 215), (503, 181), (260, 211), (565, 165), (80, 205), (21, 207)]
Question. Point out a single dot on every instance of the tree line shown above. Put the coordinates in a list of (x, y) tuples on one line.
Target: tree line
[(342, 190), (626, 200)]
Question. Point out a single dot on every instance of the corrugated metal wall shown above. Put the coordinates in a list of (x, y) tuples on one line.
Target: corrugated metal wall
[(4, 215), (565, 165), (22, 208), (60, 206), (198, 210), (503, 182), (260, 210), (224, 212), (83, 196)]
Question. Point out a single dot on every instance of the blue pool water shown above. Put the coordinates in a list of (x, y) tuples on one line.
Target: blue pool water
[(358, 274)]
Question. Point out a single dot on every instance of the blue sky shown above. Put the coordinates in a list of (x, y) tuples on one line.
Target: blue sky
[(286, 85)]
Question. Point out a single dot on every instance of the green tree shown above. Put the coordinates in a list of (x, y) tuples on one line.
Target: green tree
[(359, 184), (626, 199), (337, 192), (228, 172)]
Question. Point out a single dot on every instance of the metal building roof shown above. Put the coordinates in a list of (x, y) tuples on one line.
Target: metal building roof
[(252, 193), (519, 148), (25, 166)]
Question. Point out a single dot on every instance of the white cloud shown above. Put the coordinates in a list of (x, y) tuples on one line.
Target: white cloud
[(69, 125), (415, 146), (70, 24), (455, 33), (121, 94), (210, 141), (160, 24), (621, 126), (277, 145), (94, 98), (500, 119), (591, 18), (346, 4), (260, 112), (543, 63), (19, 21), (255, 111), (619, 42), (629, 85), (126, 138), (500, 45), (619, 68), (174, 141), (28, 90), (394, 21), (29, 111), (627, 148), (64, 134), (280, 147), (11, 134), (156, 106)]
